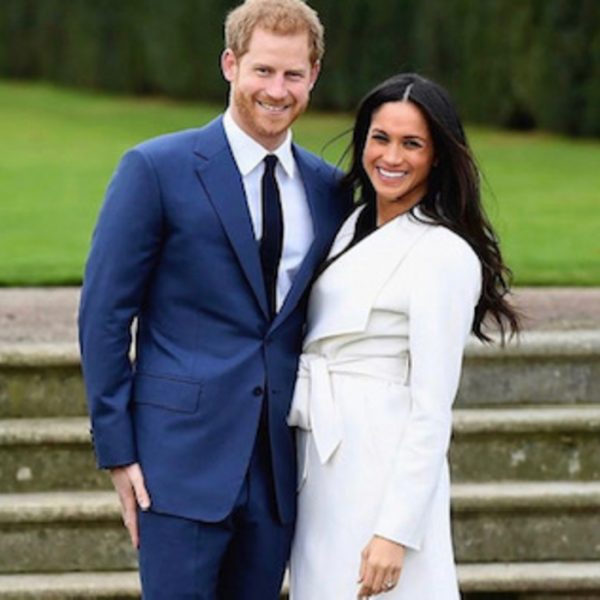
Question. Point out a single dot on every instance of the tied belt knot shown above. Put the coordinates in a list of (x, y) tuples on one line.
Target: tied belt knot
[(314, 407)]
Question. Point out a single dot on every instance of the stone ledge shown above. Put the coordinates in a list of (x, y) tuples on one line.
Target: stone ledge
[(530, 577), (466, 421), (70, 586), (540, 344), (550, 577), (51, 430), (541, 419), (524, 496), (50, 507), (529, 344), (39, 355)]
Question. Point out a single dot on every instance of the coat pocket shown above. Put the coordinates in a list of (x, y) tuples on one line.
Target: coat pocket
[(170, 393)]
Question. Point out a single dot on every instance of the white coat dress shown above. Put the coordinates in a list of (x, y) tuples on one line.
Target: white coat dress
[(387, 326)]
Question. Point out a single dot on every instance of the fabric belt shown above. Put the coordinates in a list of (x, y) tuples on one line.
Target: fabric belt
[(314, 407)]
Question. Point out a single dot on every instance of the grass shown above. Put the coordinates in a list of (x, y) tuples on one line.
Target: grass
[(59, 148)]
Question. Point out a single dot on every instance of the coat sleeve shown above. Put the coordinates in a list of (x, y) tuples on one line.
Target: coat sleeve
[(444, 289), (124, 251)]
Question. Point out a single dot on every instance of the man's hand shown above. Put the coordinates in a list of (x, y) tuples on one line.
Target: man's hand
[(129, 483), (380, 566)]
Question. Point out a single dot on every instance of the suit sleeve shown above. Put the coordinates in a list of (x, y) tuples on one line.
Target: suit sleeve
[(444, 290), (124, 251)]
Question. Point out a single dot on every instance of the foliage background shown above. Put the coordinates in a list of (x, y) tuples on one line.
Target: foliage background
[(511, 63)]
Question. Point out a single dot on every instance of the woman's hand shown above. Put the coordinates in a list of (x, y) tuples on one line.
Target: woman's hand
[(380, 566)]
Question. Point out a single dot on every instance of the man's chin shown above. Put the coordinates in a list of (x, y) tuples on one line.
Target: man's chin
[(273, 131), (276, 123)]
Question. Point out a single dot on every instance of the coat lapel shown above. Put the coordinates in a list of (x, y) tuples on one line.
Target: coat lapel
[(343, 296), (223, 185)]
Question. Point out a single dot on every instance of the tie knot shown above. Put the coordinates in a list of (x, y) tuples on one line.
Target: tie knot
[(270, 162)]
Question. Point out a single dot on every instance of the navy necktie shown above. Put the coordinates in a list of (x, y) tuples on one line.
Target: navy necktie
[(271, 242)]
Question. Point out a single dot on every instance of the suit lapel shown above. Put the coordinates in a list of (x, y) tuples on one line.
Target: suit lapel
[(223, 185)]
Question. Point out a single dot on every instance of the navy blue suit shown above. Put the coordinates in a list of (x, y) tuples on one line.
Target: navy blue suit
[(174, 247)]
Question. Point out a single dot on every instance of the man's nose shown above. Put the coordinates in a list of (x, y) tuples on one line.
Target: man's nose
[(277, 89)]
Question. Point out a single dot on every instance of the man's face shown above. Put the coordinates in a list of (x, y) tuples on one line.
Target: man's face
[(270, 84)]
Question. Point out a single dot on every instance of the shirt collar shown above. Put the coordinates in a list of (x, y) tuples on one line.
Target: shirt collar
[(248, 153)]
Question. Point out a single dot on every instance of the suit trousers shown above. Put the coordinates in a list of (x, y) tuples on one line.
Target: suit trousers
[(242, 557)]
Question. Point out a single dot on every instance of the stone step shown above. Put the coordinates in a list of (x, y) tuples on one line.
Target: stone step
[(543, 367), (546, 367), (509, 522), (531, 581), (550, 443), (61, 532), (542, 443), (41, 380), (71, 586), (50, 454), (524, 521)]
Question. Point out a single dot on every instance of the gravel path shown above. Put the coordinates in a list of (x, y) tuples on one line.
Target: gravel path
[(47, 315)]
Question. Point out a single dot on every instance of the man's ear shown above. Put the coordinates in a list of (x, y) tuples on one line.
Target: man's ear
[(314, 73), (228, 64)]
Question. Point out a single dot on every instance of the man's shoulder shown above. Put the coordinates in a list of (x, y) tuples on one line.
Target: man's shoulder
[(183, 141), (340, 197), (318, 165)]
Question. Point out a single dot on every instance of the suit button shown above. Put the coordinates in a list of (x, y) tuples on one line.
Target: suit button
[(258, 391)]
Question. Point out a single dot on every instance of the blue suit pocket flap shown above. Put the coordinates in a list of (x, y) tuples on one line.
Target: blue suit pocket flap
[(173, 394)]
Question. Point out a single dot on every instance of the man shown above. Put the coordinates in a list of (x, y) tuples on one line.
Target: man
[(210, 237)]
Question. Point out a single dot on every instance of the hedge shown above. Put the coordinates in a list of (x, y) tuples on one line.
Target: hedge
[(512, 63)]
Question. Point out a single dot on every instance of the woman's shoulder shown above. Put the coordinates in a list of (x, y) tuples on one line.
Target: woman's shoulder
[(446, 240), (445, 250), (439, 239)]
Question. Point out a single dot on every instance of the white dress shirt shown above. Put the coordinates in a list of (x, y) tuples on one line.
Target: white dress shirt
[(298, 232)]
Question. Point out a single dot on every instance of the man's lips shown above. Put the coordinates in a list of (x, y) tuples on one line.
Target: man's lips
[(273, 108)]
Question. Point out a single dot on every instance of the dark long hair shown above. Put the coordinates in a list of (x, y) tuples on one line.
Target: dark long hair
[(453, 197)]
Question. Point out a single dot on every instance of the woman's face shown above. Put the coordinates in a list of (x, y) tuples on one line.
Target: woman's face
[(398, 157)]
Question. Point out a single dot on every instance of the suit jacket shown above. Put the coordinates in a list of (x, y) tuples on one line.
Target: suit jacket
[(174, 247)]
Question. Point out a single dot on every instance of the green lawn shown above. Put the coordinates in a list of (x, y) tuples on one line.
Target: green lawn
[(59, 148)]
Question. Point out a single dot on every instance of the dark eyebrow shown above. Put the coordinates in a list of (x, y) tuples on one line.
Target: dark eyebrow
[(404, 137)]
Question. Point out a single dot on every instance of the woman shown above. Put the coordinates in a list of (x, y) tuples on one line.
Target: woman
[(411, 273)]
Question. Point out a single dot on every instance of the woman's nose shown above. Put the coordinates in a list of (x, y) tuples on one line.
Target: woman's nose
[(393, 154)]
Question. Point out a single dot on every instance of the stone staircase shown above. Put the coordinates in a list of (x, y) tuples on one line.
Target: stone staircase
[(525, 462), (525, 459)]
